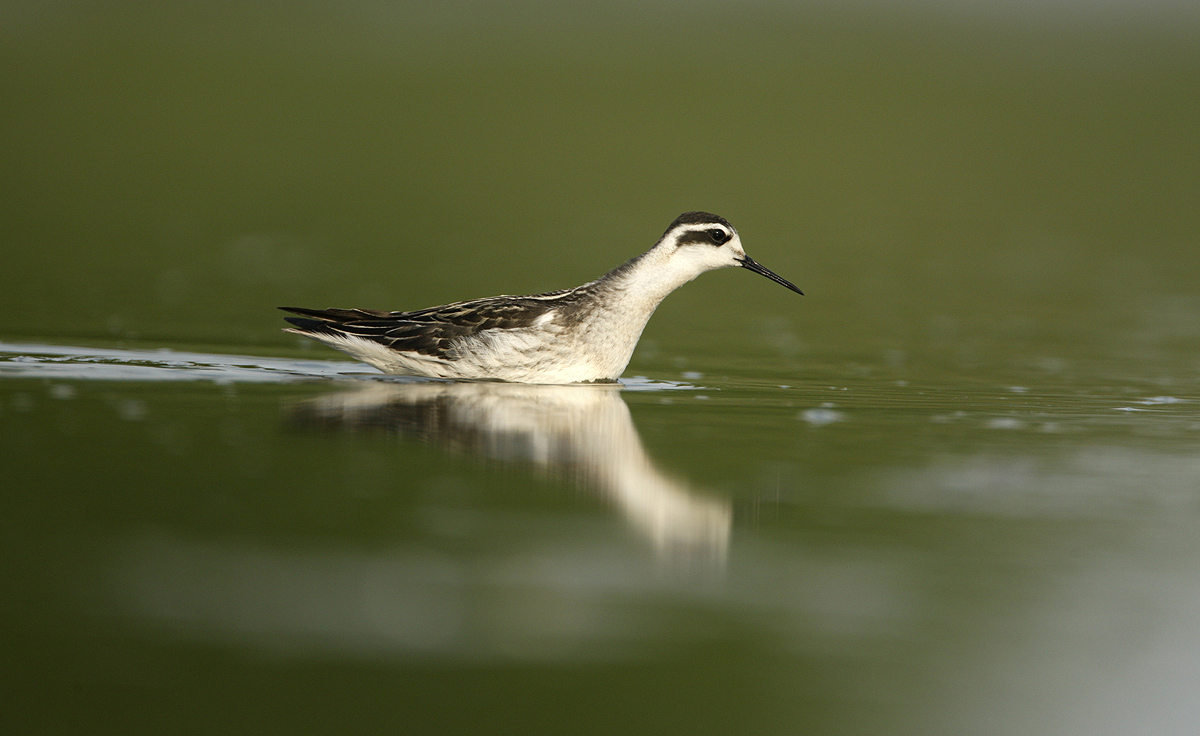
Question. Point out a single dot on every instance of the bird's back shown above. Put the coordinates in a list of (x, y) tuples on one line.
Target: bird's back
[(506, 337)]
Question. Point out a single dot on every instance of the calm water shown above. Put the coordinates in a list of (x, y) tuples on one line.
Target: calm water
[(955, 489), (312, 546)]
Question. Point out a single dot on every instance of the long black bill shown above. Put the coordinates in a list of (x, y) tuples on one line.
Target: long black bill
[(756, 267)]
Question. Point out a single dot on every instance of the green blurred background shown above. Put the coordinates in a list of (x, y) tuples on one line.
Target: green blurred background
[(931, 175), (960, 474)]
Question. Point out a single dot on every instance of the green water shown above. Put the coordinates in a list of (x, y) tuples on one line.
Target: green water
[(953, 489)]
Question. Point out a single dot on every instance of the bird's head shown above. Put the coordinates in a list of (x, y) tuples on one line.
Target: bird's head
[(698, 241)]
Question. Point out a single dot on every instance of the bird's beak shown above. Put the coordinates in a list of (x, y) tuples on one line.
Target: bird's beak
[(756, 267)]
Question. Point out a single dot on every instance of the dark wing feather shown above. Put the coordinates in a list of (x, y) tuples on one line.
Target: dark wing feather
[(430, 331), (338, 315)]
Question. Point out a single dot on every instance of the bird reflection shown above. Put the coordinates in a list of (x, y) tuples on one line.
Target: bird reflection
[(583, 432)]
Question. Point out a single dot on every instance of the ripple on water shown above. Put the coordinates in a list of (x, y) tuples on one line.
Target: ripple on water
[(65, 362)]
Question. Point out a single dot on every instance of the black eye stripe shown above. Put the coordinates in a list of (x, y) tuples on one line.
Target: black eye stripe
[(712, 236)]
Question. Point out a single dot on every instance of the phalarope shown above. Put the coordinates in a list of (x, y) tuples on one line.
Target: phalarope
[(587, 333)]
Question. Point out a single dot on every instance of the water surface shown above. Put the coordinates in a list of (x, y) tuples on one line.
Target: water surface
[(240, 529)]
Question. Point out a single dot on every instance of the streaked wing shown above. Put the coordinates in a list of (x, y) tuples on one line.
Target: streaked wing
[(427, 331)]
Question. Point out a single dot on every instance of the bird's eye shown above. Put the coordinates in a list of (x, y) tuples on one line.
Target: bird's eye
[(718, 236)]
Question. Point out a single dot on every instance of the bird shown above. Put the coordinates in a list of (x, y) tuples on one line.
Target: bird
[(579, 335)]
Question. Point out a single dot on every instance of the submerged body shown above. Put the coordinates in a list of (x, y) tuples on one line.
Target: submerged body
[(587, 333)]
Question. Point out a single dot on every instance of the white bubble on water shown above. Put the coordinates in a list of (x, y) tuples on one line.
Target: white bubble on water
[(822, 416), (132, 410), (1005, 423)]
